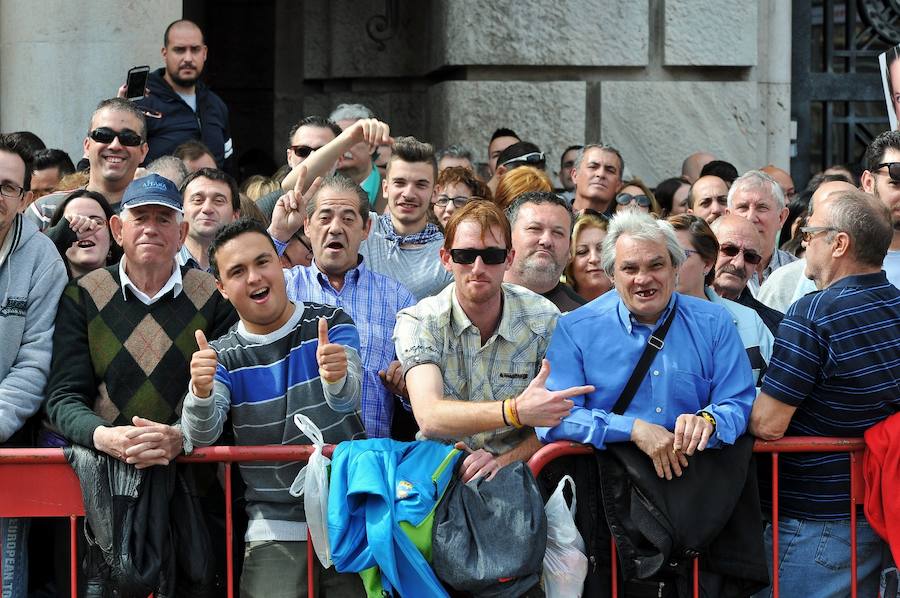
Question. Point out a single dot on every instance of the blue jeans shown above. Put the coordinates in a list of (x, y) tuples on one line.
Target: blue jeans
[(814, 558), (14, 554)]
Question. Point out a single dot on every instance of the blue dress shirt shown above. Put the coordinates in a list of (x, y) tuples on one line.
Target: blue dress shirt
[(703, 365)]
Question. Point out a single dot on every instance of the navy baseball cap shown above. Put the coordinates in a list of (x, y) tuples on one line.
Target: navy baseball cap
[(152, 190)]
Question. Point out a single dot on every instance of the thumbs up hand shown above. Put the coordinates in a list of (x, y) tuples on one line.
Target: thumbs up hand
[(332, 358), (203, 367)]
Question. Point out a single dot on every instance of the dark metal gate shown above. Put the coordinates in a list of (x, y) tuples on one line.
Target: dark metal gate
[(837, 99)]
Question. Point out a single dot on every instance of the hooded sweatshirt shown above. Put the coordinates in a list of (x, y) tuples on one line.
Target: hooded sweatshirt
[(32, 278)]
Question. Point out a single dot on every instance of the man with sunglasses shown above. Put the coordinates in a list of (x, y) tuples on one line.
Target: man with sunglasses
[(473, 354), (115, 145), (179, 106), (739, 255), (32, 277), (306, 136), (882, 179), (833, 373)]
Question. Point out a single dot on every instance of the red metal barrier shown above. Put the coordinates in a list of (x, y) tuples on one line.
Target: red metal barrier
[(40, 483), (853, 446)]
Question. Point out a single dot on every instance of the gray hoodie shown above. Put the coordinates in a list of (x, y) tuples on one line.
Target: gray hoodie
[(32, 278)]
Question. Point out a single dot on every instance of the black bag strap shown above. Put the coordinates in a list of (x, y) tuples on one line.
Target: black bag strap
[(654, 344)]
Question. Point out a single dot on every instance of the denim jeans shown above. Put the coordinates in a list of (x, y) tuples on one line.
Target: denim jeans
[(814, 558), (14, 554)]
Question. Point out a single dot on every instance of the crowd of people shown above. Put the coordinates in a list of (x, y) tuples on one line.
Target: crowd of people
[(385, 289)]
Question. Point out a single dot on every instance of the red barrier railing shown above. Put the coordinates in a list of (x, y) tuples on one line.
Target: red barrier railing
[(797, 444), (40, 483)]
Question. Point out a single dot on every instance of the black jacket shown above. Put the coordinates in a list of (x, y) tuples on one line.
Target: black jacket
[(712, 511), (171, 122), (145, 530)]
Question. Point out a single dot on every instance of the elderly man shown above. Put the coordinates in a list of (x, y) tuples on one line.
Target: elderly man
[(123, 335), (702, 356), (211, 200), (598, 177), (541, 230), (739, 253), (833, 373), (116, 143), (758, 198), (33, 277), (788, 283), (472, 355), (708, 197), (337, 221)]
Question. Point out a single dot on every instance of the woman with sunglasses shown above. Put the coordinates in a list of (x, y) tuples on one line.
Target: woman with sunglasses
[(635, 195), (584, 273), (695, 277), (454, 188), (80, 230)]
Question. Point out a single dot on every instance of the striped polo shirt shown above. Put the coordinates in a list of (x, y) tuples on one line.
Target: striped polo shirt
[(837, 359)]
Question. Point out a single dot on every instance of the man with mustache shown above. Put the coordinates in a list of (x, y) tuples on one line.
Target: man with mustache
[(739, 254), (541, 229), (179, 106)]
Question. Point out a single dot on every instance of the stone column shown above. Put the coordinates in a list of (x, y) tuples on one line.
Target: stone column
[(58, 59)]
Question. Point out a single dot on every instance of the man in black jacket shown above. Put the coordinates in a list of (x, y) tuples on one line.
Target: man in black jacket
[(179, 106)]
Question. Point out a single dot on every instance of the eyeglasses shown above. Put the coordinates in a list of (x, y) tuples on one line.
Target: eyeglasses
[(491, 256), (690, 252), (302, 151), (893, 169), (623, 199), (532, 158), (12, 191), (809, 232), (750, 256), (127, 137), (458, 201)]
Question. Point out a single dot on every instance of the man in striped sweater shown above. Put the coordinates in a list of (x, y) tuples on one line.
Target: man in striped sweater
[(833, 373), (281, 359)]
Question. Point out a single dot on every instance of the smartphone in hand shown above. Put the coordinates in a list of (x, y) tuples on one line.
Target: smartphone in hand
[(136, 84)]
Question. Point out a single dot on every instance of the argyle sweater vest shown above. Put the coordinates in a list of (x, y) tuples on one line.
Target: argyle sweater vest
[(115, 357)]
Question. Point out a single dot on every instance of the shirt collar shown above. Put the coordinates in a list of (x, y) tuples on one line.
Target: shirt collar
[(627, 319), (173, 284), (460, 321), (351, 276), (184, 257), (860, 280)]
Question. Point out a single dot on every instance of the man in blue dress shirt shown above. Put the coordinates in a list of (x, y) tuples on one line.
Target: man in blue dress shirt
[(698, 391)]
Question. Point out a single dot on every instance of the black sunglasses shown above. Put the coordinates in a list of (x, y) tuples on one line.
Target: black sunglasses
[(302, 151), (623, 199), (893, 169), (127, 137), (750, 256), (491, 256)]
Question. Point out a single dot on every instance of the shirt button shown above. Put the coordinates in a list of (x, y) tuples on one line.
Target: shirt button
[(656, 372), (659, 409)]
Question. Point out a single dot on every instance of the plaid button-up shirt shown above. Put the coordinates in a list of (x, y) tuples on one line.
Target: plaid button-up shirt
[(437, 330)]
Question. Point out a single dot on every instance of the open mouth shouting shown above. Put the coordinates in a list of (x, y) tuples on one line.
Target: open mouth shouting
[(260, 295)]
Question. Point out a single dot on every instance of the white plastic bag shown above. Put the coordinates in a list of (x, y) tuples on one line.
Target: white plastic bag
[(312, 483), (565, 563)]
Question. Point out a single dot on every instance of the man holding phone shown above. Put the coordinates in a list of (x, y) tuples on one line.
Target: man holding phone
[(179, 106)]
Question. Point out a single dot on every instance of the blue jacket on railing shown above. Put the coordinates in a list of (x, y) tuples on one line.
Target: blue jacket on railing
[(375, 485)]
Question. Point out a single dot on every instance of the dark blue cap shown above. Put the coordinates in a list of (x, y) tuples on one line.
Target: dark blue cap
[(152, 190)]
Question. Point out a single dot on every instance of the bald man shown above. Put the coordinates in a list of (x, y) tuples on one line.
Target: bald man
[(179, 106), (740, 251), (708, 198), (784, 180), (693, 164), (788, 283)]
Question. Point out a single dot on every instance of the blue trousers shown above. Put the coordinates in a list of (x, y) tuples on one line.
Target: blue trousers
[(14, 554)]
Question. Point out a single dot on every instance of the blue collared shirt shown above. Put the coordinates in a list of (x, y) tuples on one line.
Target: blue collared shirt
[(372, 300), (703, 365)]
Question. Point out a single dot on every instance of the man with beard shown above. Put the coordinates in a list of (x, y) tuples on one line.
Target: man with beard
[(541, 229), (179, 106), (882, 179)]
